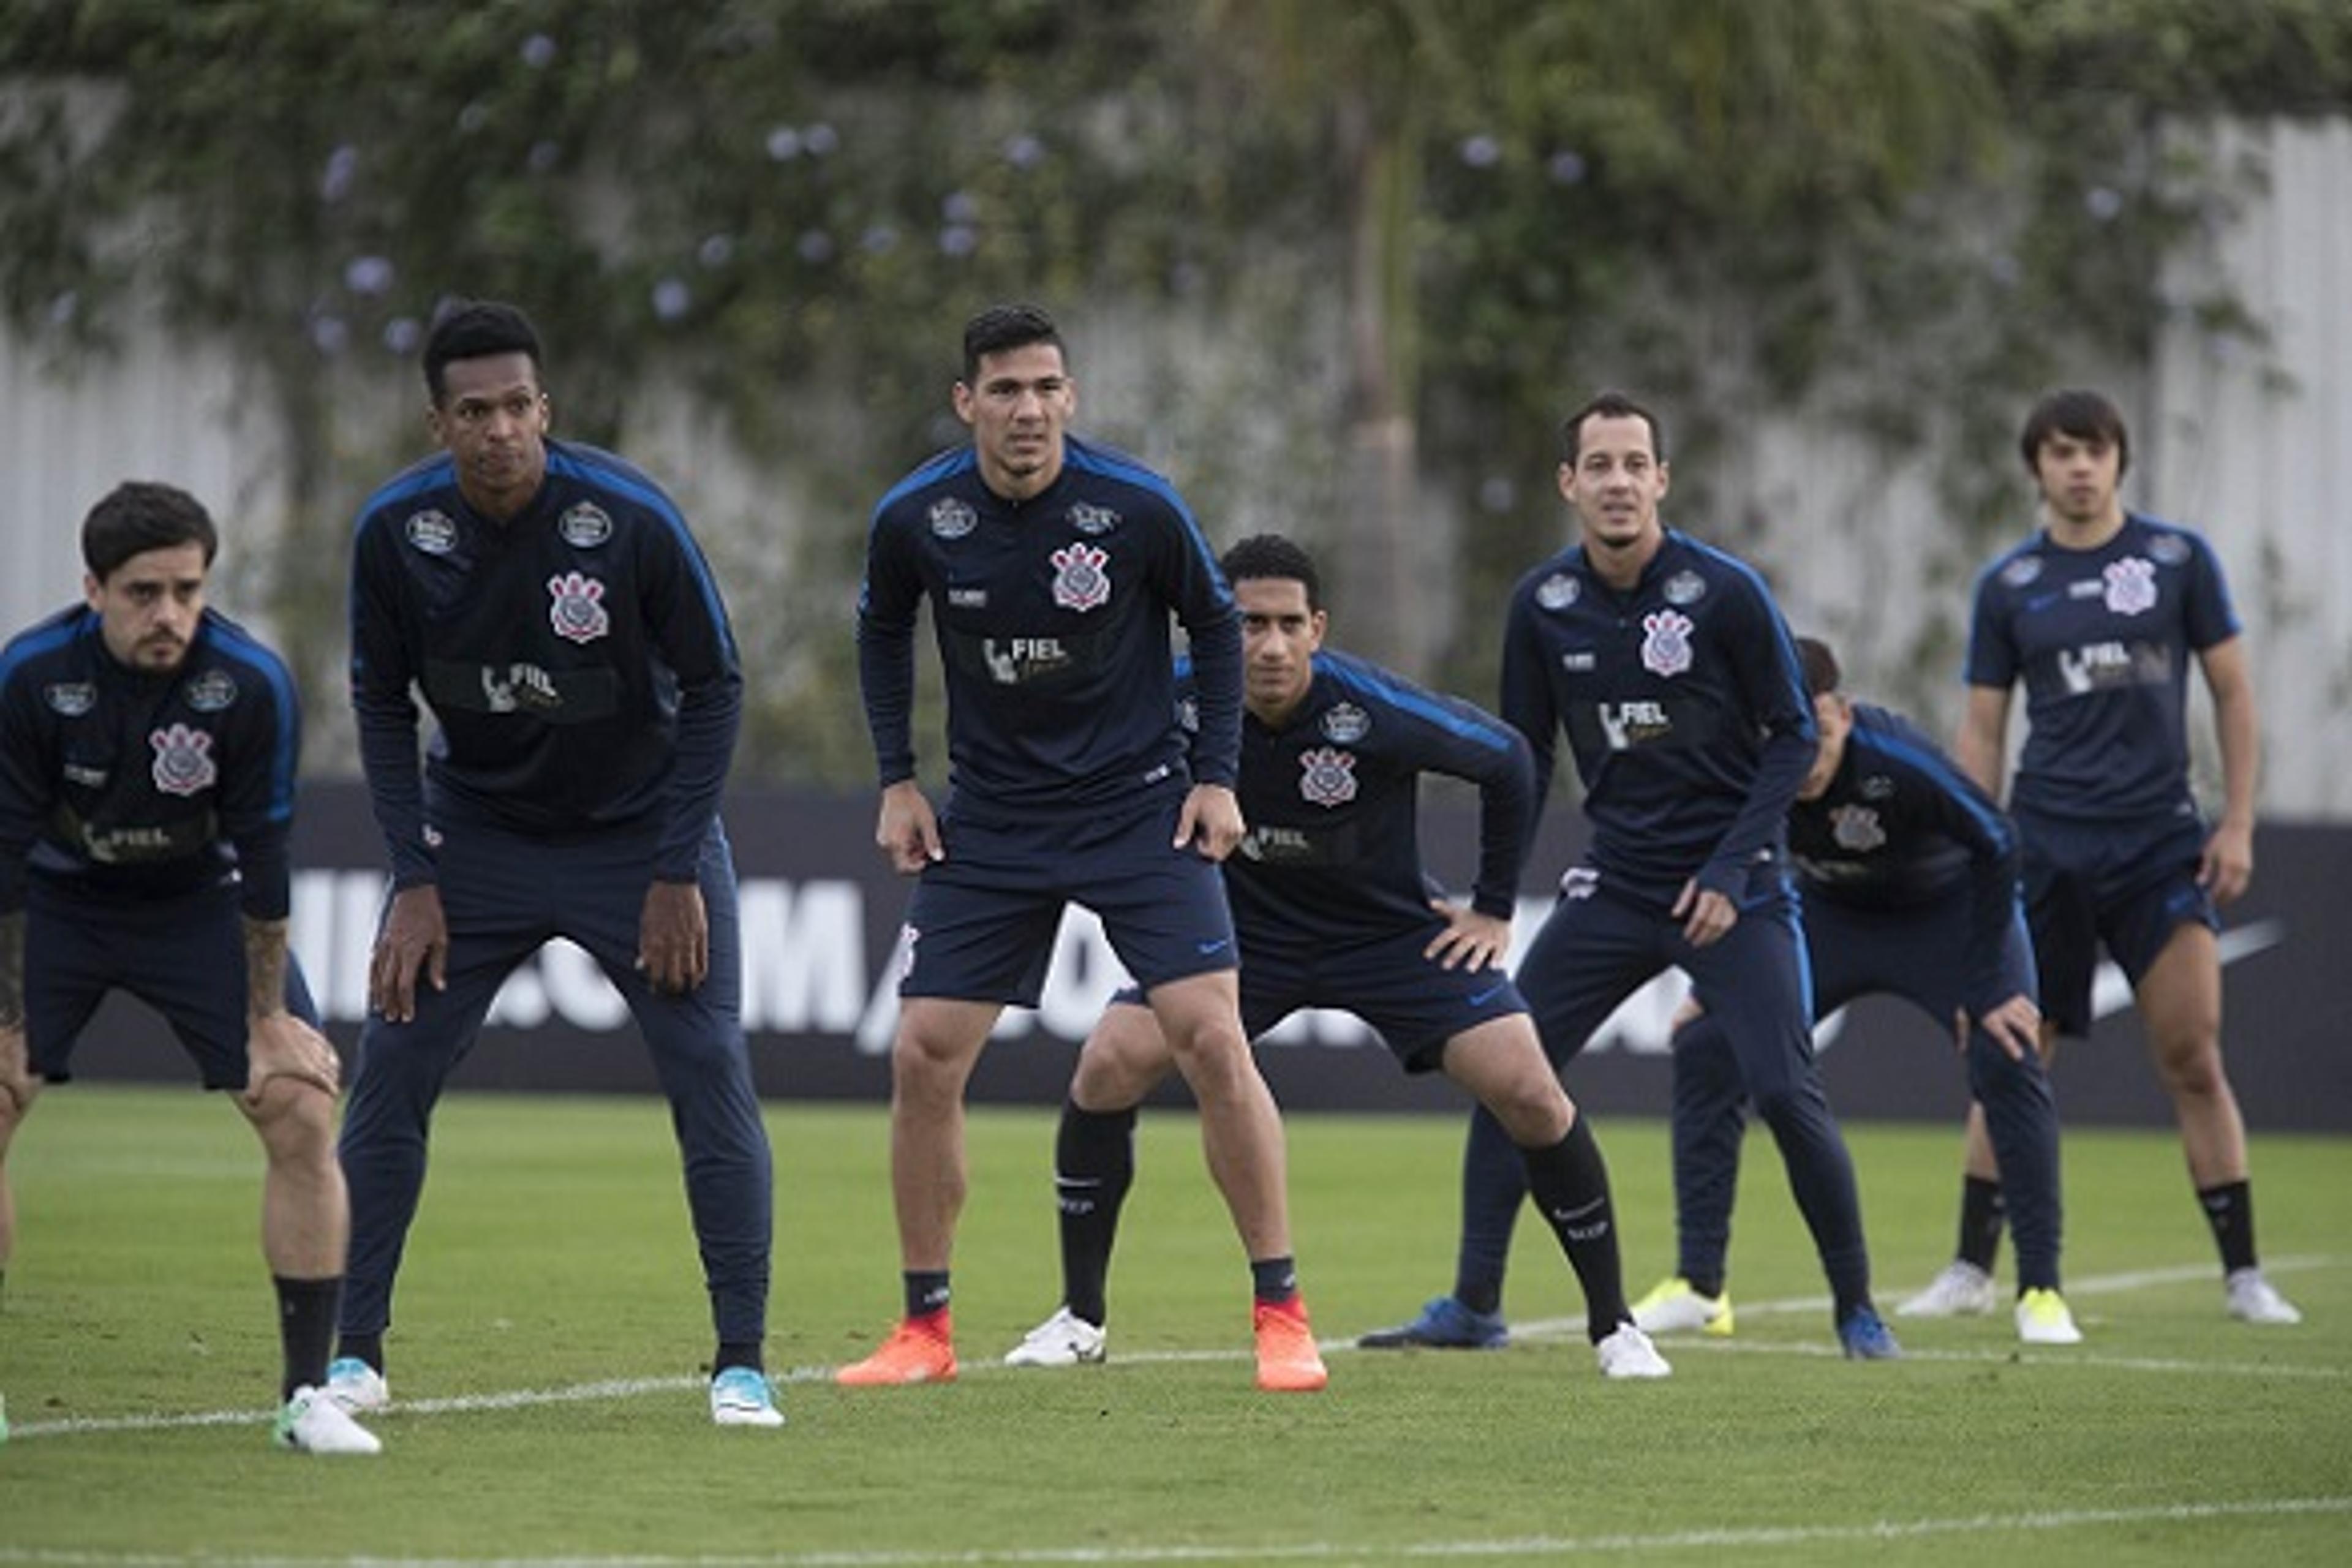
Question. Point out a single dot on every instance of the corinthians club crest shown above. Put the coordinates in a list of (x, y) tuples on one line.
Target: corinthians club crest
[(2131, 585), (1329, 778), (1665, 643), (184, 760), (578, 612), (1080, 581)]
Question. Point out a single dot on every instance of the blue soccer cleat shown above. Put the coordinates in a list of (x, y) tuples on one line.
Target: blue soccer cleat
[(1863, 1336), (1445, 1324)]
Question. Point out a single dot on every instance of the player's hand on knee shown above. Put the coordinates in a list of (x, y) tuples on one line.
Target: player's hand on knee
[(674, 938), (282, 1045), (414, 942), (1470, 941), (2015, 1027)]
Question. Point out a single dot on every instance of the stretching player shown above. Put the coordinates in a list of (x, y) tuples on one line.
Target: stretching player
[(1667, 664), (1909, 878), (147, 756), (1053, 567), (550, 604), (1333, 910)]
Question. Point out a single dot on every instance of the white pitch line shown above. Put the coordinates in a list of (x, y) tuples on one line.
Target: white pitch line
[(1885, 1530), (1548, 1328)]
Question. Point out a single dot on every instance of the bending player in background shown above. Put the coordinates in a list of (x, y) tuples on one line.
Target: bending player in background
[(1909, 879)]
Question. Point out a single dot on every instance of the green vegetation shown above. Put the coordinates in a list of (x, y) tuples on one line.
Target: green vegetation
[(552, 1254), (1351, 255)]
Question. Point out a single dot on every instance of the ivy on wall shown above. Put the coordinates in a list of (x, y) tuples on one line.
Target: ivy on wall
[(1905, 213)]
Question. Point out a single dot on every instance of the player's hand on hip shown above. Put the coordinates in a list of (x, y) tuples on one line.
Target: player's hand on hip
[(907, 830), (413, 943), (1705, 914), (2228, 863), (1470, 941), (1209, 821), (674, 938), (2015, 1027), (18, 1082), (282, 1045)]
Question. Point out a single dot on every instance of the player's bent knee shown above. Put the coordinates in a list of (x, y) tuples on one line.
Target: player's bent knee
[(293, 1114)]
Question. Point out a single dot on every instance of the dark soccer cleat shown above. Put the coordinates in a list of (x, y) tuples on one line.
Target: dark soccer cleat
[(1445, 1324)]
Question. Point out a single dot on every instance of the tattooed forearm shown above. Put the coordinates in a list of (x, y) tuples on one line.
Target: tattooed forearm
[(12, 971), (265, 967)]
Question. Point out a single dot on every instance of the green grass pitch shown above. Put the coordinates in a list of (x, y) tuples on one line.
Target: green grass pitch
[(551, 1331)]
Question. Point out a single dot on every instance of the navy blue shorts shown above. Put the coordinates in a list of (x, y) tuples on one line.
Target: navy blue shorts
[(185, 957), (1413, 1004), (1919, 954), (980, 925), (2128, 888)]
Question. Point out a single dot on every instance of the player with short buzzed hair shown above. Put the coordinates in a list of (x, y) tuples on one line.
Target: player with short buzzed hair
[(147, 757), (551, 606)]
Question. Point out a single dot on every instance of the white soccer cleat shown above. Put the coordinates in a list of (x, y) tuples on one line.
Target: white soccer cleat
[(313, 1423), (1962, 1289), (2254, 1299), (1628, 1352), (1061, 1339), (2042, 1319), (1672, 1307), (357, 1386), (740, 1396)]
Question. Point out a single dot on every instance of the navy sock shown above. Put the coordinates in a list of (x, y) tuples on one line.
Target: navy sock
[(1274, 1280), (927, 1292), (1570, 1183), (2229, 1210), (1983, 1214), (306, 1328), (1094, 1165)]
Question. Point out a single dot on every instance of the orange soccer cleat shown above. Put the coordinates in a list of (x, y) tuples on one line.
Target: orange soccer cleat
[(919, 1350), (1287, 1360)]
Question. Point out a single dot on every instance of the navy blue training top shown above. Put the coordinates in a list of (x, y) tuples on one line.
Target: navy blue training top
[(577, 657), (1333, 851), (121, 783), (1683, 706), (1900, 826), (2102, 639), (1052, 615)]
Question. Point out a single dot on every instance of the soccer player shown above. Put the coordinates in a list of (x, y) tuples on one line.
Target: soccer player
[(2099, 615), (1332, 908), (1667, 664), (147, 754), (548, 603), (1909, 879), (1052, 567)]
